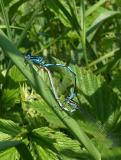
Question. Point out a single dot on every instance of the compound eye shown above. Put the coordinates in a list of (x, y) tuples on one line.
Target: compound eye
[(28, 56)]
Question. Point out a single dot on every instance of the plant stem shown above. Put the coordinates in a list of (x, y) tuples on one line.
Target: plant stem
[(103, 57), (6, 20), (82, 7)]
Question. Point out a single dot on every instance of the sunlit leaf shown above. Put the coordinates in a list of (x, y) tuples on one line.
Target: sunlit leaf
[(9, 154), (9, 127), (47, 114), (9, 98), (67, 147)]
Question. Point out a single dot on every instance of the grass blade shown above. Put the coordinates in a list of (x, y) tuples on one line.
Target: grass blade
[(94, 7), (5, 16), (28, 25), (82, 7)]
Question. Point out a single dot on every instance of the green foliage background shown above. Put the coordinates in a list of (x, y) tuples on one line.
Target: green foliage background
[(85, 35)]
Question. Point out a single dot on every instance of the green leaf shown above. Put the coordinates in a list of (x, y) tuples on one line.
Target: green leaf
[(6, 19), (24, 152), (112, 154), (11, 154), (100, 106), (16, 75), (100, 98), (45, 112), (94, 7), (62, 9), (115, 83), (66, 147), (9, 127), (87, 82), (28, 24), (41, 153), (9, 143), (9, 98), (101, 19), (43, 134), (59, 13), (14, 8)]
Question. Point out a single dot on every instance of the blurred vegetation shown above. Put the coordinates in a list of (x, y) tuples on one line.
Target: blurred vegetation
[(84, 35)]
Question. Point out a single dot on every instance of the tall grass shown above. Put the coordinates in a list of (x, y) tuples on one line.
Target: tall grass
[(82, 34)]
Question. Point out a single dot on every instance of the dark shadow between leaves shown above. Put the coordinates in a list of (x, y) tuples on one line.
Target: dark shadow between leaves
[(73, 154), (103, 104)]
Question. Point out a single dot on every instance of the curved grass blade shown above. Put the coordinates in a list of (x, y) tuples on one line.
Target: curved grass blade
[(94, 7), (104, 17)]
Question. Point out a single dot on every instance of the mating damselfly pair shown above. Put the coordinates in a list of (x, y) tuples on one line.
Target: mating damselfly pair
[(68, 104)]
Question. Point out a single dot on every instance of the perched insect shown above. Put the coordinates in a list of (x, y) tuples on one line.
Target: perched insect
[(39, 61), (35, 59)]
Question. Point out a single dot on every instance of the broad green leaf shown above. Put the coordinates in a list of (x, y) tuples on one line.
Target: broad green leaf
[(43, 109), (9, 127), (67, 148), (101, 100), (43, 140), (9, 98), (87, 81), (14, 8), (41, 153), (99, 104), (16, 75), (11, 154)]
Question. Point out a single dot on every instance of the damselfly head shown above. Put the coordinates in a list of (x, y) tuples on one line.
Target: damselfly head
[(70, 97), (28, 56)]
